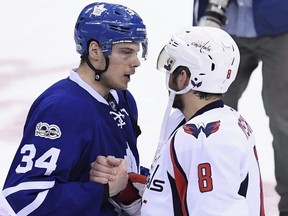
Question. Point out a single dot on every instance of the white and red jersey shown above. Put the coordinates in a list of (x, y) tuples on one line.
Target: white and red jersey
[(208, 167)]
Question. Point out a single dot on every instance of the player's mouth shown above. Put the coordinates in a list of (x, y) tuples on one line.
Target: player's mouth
[(128, 77)]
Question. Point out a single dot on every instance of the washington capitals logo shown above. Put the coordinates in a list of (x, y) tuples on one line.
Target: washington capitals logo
[(196, 84), (210, 128)]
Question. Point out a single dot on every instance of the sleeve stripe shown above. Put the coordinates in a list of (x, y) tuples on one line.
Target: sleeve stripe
[(33, 205), (180, 178), (39, 185), (5, 208), (28, 186)]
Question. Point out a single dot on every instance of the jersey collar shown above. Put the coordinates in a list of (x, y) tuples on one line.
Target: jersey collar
[(77, 79), (210, 106)]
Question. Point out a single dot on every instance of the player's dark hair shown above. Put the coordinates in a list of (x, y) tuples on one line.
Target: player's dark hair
[(83, 59), (208, 96)]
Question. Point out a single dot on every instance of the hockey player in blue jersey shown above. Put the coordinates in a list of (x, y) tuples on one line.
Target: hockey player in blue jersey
[(90, 113)]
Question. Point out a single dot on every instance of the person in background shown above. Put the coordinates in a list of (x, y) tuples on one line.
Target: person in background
[(260, 29), (88, 114)]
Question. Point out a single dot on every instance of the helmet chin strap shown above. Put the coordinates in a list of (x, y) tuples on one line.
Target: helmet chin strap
[(162, 136), (97, 72), (183, 91)]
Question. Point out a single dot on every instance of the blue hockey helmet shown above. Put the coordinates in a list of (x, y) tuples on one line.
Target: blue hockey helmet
[(108, 24)]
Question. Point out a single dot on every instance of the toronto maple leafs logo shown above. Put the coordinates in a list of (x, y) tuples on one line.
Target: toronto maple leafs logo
[(130, 159), (98, 10), (119, 117), (209, 129)]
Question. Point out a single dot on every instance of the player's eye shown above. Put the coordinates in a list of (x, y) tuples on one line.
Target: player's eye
[(126, 53)]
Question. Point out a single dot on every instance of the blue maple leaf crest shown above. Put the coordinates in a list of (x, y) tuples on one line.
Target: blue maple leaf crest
[(209, 129)]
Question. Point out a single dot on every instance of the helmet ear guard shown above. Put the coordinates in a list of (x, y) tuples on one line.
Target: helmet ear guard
[(210, 54)]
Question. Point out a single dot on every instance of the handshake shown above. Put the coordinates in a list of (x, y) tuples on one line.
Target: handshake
[(125, 189)]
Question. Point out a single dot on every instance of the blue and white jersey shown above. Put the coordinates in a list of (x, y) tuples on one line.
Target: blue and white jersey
[(67, 127)]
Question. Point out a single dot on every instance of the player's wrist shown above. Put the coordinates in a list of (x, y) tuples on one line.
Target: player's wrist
[(128, 195), (134, 189)]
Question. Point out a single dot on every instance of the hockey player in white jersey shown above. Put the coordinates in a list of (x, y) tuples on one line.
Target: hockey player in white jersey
[(209, 164)]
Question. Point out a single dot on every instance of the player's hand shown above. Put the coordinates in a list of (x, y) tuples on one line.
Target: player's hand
[(104, 169), (120, 181), (110, 170)]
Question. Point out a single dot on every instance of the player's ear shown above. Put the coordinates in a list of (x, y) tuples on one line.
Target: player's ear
[(94, 50), (183, 79)]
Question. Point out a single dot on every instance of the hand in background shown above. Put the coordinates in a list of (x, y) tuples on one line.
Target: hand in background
[(210, 23), (215, 14)]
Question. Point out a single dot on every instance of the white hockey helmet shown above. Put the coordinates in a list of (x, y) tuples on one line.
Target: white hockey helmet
[(211, 55)]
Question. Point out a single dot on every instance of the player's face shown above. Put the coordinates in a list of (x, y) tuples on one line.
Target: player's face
[(123, 61)]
